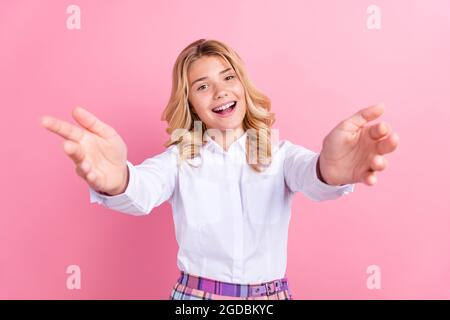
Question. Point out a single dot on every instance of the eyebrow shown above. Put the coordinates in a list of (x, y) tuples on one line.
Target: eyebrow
[(203, 78)]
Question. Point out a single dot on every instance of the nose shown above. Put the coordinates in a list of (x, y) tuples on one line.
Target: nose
[(220, 92)]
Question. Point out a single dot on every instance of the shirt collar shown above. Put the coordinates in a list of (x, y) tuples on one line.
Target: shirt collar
[(212, 145)]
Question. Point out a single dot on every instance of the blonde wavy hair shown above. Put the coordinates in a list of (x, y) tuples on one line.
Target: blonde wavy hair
[(180, 117)]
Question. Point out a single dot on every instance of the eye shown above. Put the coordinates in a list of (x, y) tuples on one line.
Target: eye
[(200, 88)]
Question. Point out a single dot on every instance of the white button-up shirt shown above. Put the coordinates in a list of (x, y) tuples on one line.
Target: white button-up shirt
[(231, 222)]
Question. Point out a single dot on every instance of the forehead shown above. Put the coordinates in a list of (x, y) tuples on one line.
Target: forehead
[(207, 66)]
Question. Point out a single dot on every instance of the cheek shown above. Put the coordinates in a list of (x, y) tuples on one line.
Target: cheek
[(203, 111), (240, 88), (197, 106), (243, 110)]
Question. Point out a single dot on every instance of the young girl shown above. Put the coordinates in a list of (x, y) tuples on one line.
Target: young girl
[(229, 182)]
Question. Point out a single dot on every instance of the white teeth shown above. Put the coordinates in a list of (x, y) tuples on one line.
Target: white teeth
[(224, 107)]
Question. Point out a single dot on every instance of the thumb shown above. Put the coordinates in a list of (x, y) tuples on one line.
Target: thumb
[(365, 115)]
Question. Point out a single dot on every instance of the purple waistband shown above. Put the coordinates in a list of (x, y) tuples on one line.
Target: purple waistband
[(232, 289)]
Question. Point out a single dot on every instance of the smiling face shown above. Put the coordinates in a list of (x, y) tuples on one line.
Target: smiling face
[(213, 85)]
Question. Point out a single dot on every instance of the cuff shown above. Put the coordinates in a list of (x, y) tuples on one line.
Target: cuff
[(119, 199), (326, 188)]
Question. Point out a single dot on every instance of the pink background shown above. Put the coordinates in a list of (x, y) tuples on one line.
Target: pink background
[(318, 63)]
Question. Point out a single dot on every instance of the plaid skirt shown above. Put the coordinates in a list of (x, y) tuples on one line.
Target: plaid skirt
[(190, 287)]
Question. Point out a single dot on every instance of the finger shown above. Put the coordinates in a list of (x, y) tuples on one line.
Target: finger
[(62, 128), (83, 168), (380, 130), (369, 178), (365, 115), (92, 123), (90, 176), (378, 163), (389, 144), (80, 172), (74, 151)]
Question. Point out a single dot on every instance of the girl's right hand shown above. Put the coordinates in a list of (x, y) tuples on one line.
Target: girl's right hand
[(97, 150)]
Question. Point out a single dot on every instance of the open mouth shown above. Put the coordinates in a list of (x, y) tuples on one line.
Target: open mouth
[(228, 108)]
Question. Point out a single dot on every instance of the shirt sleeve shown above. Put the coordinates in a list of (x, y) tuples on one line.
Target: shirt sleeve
[(300, 175), (150, 184)]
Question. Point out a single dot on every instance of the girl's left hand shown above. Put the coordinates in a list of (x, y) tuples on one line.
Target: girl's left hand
[(352, 152)]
